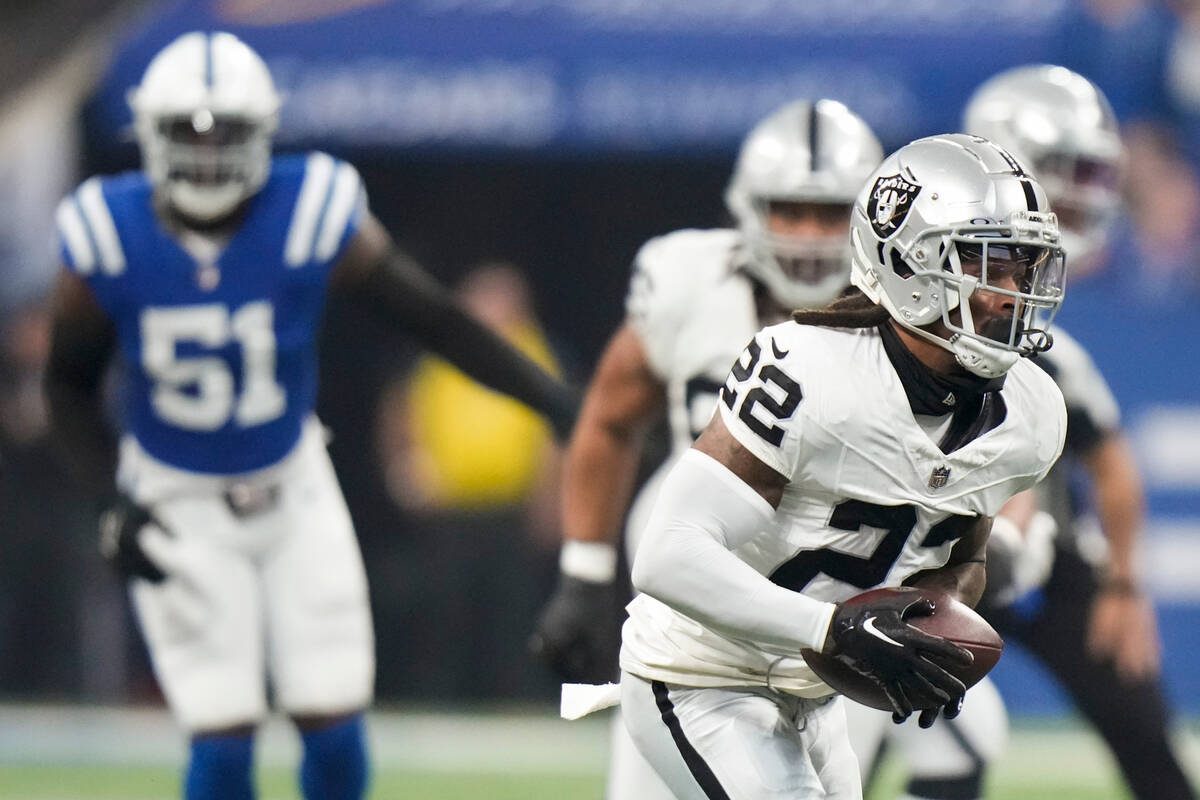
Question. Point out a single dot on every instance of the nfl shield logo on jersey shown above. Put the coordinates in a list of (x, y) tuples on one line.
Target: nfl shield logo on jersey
[(939, 476), (891, 199)]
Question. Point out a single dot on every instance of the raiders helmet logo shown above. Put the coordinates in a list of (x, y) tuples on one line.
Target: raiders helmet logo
[(939, 476), (891, 200)]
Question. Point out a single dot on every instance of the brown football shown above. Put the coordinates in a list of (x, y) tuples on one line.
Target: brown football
[(950, 619)]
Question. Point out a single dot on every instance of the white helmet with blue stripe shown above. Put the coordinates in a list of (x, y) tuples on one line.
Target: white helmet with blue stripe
[(204, 114)]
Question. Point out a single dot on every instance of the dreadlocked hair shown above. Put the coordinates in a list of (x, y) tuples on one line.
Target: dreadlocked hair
[(852, 310)]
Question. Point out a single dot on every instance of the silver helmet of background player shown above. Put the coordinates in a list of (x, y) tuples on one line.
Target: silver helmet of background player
[(1061, 126), (204, 114), (805, 152), (944, 217)]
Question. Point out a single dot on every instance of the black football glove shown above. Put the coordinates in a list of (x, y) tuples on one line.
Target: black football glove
[(120, 524), (928, 716), (578, 633), (874, 640)]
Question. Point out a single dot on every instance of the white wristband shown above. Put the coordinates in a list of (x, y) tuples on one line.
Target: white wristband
[(594, 562)]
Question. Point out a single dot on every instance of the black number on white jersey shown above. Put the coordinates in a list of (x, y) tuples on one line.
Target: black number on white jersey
[(859, 571), (741, 372), (780, 410), (783, 409)]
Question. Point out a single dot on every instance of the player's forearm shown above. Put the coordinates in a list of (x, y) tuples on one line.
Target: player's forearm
[(1020, 508), (488, 359), (685, 561), (964, 582), (598, 477), (406, 296), (964, 575), (1120, 504)]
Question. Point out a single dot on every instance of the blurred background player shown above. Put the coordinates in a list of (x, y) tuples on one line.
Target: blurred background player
[(481, 474), (695, 298), (1063, 581), (207, 273), (868, 443)]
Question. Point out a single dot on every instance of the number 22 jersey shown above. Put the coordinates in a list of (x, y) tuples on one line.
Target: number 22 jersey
[(219, 353), (871, 499)]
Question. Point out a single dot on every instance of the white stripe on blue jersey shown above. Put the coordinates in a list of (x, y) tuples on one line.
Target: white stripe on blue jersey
[(314, 194), (75, 236), (342, 202), (100, 222)]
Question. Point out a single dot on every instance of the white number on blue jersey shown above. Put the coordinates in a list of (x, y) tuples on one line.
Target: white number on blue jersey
[(196, 392)]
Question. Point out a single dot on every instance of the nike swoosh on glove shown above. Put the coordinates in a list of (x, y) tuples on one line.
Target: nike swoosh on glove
[(909, 665)]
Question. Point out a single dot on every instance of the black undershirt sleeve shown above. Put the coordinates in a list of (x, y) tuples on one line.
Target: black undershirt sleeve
[(405, 295)]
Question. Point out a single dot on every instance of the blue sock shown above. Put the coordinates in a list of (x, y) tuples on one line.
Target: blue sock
[(220, 769), (335, 762)]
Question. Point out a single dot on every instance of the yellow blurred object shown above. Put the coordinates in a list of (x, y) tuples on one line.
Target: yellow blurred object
[(475, 448)]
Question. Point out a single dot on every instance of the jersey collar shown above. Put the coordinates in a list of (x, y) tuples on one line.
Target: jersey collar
[(931, 392)]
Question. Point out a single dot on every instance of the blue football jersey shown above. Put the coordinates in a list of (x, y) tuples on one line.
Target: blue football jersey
[(221, 357)]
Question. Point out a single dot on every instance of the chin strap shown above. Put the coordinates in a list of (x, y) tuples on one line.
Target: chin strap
[(973, 354), (976, 355), (980, 358)]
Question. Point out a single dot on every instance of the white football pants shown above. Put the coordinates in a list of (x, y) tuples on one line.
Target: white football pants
[(630, 776), (741, 743), (279, 594)]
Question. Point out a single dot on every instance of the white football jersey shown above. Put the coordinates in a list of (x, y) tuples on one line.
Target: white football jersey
[(694, 311), (1087, 394), (871, 499), (1093, 414)]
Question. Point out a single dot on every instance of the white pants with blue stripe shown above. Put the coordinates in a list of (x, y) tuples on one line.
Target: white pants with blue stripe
[(741, 742)]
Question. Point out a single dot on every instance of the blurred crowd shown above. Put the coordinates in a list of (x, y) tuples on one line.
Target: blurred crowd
[(448, 513)]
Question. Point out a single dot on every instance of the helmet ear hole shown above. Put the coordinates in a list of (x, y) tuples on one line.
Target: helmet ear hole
[(899, 265)]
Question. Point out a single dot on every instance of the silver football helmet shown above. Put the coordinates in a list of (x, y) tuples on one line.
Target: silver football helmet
[(1061, 126), (204, 114), (805, 152), (945, 217)]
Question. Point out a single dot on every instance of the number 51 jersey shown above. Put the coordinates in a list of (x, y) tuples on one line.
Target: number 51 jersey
[(220, 352), (871, 500)]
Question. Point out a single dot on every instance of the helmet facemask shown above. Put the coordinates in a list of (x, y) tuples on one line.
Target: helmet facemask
[(1019, 259), (804, 159), (1085, 194), (801, 270), (206, 165)]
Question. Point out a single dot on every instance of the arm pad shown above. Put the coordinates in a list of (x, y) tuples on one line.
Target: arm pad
[(702, 512)]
